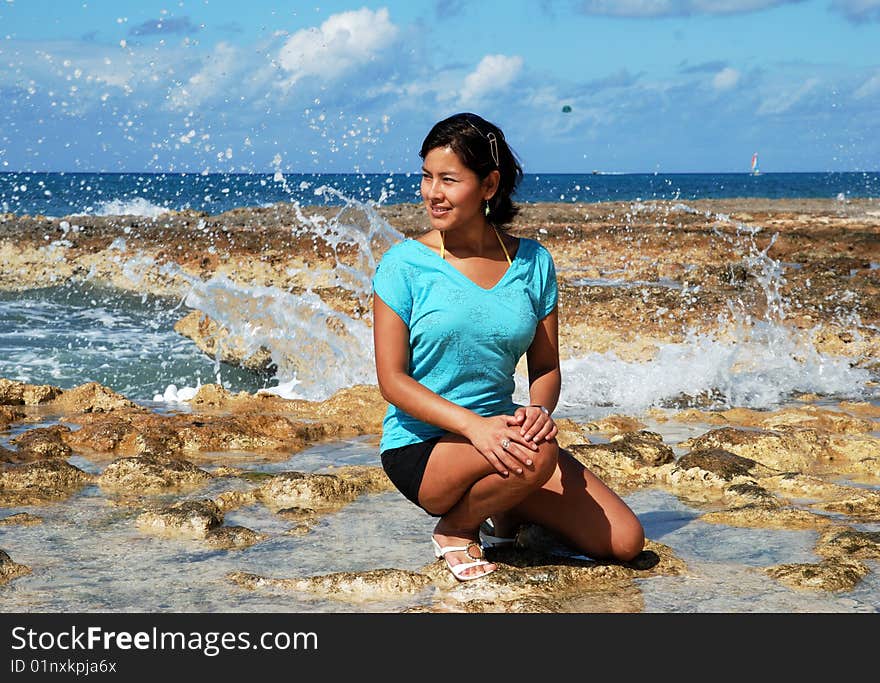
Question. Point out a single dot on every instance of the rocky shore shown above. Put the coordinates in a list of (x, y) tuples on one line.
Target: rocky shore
[(632, 276), (679, 264)]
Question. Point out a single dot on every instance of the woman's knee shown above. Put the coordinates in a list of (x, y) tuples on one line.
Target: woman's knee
[(544, 463), (628, 540)]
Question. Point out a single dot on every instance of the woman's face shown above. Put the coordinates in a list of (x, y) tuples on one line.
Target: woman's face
[(453, 194)]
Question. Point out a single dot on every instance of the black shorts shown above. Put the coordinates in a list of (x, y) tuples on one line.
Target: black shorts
[(406, 465)]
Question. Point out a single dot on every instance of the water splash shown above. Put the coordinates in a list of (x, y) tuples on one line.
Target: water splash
[(315, 350), (747, 361)]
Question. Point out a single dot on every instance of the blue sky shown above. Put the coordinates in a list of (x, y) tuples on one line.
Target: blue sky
[(226, 85)]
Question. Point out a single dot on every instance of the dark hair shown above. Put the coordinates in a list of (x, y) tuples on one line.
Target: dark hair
[(477, 142)]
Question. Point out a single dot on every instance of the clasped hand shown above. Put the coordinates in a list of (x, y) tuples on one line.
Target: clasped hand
[(508, 441)]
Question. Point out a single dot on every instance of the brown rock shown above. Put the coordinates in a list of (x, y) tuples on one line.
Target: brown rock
[(170, 435), (42, 480), (649, 446), (148, 474), (832, 574), (19, 393), (233, 537), (722, 463), (615, 423), (786, 449), (9, 415), (92, 398), (849, 543), (377, 584), (21, 519), (767, 517), (298, 489), (189, 519), (43, 442), (10, 570)]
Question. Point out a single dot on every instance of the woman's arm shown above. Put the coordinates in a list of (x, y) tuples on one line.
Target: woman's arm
[(391, 344), (545, 380)]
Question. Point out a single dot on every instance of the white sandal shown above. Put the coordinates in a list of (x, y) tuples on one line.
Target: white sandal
[(459, 569)]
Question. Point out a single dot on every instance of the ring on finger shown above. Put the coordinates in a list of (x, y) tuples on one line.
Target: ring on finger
[(505, 443)]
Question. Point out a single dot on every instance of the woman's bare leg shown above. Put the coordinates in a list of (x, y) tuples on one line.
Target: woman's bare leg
[(460, 484), (577, 506)]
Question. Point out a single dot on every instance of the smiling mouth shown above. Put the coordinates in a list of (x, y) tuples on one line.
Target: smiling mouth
[(439, 210)]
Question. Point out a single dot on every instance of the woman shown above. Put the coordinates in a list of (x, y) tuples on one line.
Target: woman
[(453, 312)]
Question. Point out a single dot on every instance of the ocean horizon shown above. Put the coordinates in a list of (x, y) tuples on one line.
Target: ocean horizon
[(151, 193)]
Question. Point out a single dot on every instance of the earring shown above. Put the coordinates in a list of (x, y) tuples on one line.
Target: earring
[(486, 209)]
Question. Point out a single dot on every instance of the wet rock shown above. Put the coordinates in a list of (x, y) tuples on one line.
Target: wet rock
[(792, 449), (752, 494), (100, 434), (649, 446), (524, 605), (10, 415), (860, 408), (233, 537), (723, 464), (832, 574), (864, 506), (617, 461), (570, 433), (168, 435), (189, 519), (377, 584), (33, 483), (7, 456), (813, 417), (10, 570), (764, 517), (822, 419), (297, 489), (21, 394), (364, 478), (232, 500), (615, 423), (214, 340), (43, 442), (860, 545), (296, 513), (303, 518), (854, 454), (148, 474), (92, 397), (859, 503), (354, 410), (20, 519)]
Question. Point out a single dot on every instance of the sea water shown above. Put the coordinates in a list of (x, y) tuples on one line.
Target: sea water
[(88, 554)]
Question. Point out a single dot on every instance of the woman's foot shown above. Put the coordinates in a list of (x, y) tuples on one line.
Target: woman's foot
[(461, 548)]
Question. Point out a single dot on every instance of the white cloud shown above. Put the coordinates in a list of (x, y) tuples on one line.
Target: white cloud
[(337, 46), (726, 79), (211, 79), (782, 101), (869, 87), (677, 8), (493, 73)]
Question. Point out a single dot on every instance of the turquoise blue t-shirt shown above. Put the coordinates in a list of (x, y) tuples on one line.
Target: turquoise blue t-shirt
[(465, 341)]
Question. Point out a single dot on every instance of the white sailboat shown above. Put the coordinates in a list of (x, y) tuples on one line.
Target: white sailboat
[(755, 170)]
